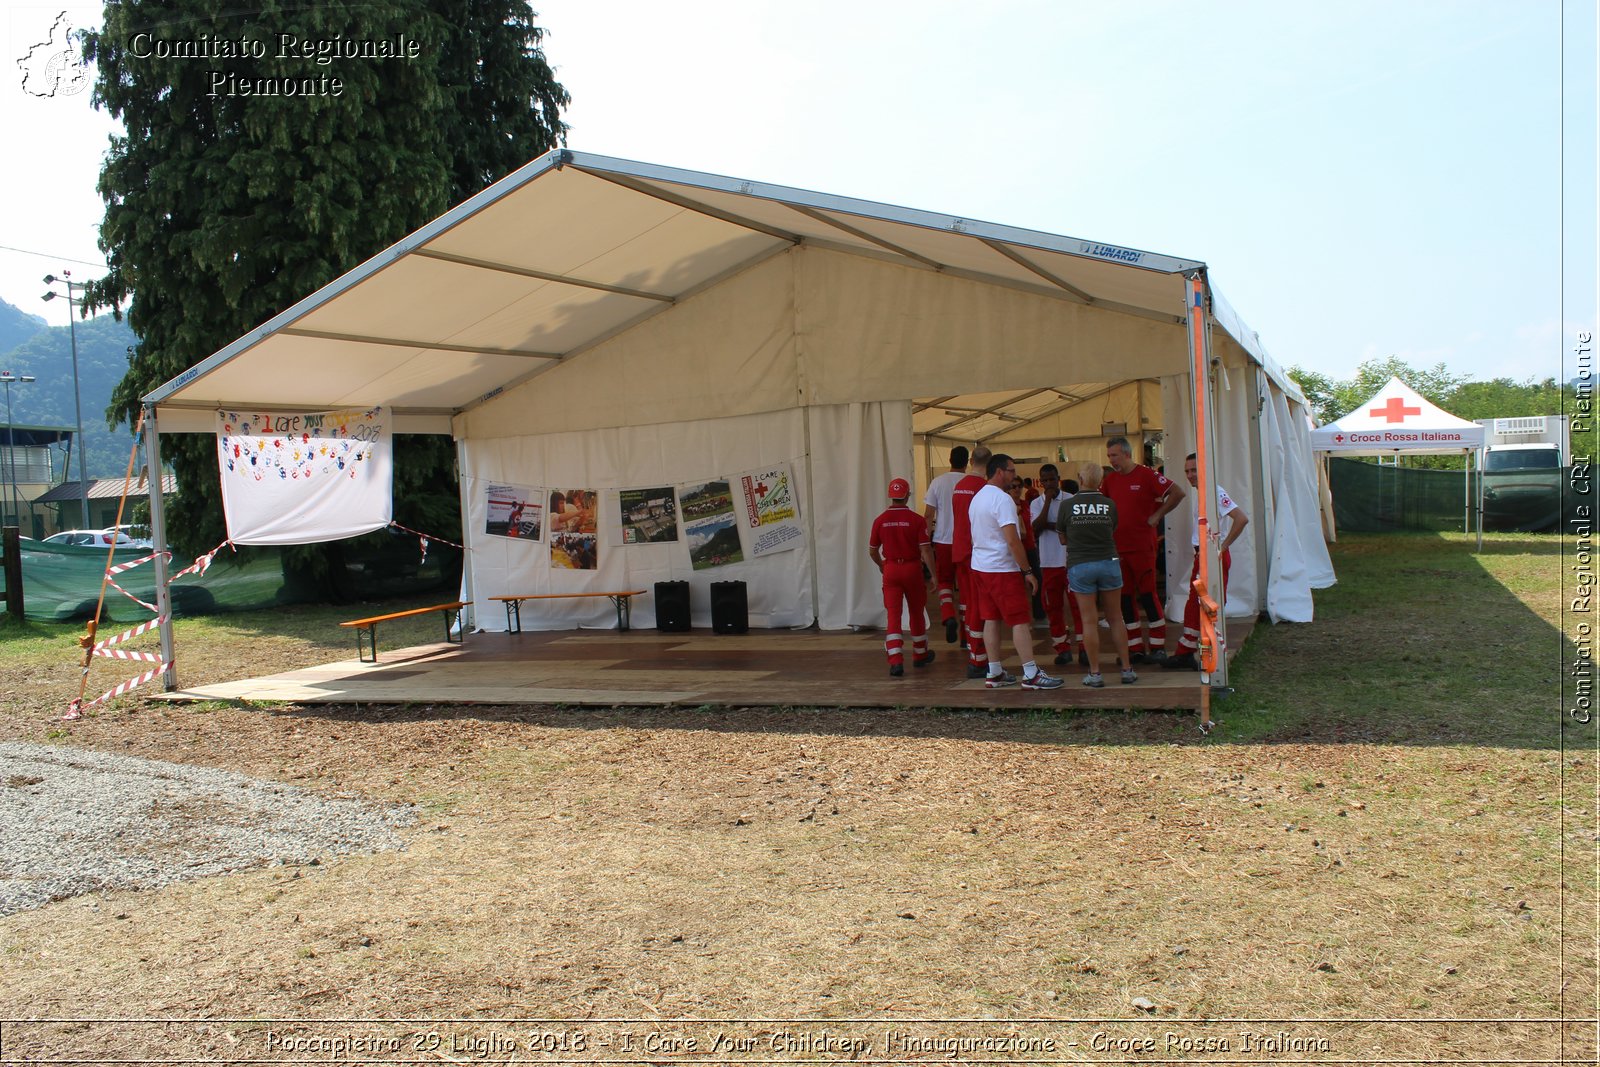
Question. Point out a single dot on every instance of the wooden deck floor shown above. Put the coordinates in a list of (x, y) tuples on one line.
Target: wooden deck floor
[(649, 668)]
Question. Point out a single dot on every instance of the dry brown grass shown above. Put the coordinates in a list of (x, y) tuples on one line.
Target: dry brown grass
[(845, 865)]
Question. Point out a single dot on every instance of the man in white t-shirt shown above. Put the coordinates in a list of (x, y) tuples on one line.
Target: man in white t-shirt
[(941, 520), (1189, 643), (1042, 514), (1001, 578)]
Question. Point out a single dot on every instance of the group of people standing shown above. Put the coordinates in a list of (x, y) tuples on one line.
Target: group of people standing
[(1096, 545)]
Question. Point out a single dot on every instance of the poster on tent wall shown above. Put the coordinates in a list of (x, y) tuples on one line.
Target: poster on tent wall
[(710, 526), (574, 529), (649, 516), (771, 516), (294, 479), (514, 511)]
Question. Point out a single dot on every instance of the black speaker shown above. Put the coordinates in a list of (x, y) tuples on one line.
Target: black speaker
[(672, 607), (730, 608)]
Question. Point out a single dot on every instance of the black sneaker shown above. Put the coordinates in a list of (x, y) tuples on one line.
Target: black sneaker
[(975, 671), (1083, 659), (924, 660), (950, 630), (1136, 657), (1064, 658), (1185, 662), (896, 670)]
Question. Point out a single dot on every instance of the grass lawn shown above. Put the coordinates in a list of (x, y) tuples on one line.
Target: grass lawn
[(1387, 838)]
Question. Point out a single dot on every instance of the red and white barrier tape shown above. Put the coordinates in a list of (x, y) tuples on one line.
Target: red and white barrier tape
[(202, 563), (142, 603), (119, 568), (426, 539), (119, 653), (77, 706), (142, 628), (104, 648)]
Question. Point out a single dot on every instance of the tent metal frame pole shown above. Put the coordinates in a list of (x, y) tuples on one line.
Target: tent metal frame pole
[(158, 537), (1477, 455), (1201, 371), (803, 387), (469, 619)]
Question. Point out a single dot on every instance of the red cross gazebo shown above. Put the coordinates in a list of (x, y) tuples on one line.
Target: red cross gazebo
[(1399, 420)]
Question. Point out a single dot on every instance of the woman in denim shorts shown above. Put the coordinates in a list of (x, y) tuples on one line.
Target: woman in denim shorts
[(1087, 524)]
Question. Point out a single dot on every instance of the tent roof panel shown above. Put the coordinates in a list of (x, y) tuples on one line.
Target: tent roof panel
[(1114, 284), (313, 372), (459, 299), (532, 226), (572, 248)]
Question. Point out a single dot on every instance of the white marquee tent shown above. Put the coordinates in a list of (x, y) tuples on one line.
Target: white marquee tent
[(599, 323), (1399, 421)]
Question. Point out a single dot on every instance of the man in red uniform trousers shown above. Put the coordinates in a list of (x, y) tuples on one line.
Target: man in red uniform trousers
[(961, 551), (900, 545), (1189, 642), (937, 511), (1143, 498)]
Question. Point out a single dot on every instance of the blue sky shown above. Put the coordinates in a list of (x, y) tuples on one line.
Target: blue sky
[(1363, 179)]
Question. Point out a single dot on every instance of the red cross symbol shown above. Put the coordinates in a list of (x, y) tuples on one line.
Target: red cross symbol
[(1394, 411), (761, 488), (1339, 437)]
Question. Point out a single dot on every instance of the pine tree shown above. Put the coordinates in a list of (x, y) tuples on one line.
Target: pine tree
[(223, 209)]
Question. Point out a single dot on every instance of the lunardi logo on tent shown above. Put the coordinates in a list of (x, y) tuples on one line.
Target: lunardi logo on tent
[(55, 66)]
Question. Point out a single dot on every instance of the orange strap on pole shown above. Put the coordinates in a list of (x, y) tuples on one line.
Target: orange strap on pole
[(1207, 494)]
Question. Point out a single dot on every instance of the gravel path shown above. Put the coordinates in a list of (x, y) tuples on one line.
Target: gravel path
[(74, 821)]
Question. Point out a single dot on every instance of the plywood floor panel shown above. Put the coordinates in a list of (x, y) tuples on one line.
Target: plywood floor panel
[(644, 667)]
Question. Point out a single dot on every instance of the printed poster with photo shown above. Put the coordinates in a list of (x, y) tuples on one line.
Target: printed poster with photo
[(710, 525), (514, 511), (573, 518), (649, 516), (771, 511)]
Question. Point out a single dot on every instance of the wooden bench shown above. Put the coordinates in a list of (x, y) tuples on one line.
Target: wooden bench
[(623, 602), (369, 627)]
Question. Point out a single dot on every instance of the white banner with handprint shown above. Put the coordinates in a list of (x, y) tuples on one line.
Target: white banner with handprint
[(294, 479)]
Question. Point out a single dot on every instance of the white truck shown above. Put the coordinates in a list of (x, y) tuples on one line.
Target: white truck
[(1522, 485)]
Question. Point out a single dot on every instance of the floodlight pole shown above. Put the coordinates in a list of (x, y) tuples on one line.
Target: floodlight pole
[(77, 392)]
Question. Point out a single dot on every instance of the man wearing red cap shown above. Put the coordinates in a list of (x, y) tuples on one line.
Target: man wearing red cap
[(900, 546)]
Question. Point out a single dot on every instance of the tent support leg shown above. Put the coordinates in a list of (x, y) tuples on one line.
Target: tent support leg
[(1213, 656), (158, 537)]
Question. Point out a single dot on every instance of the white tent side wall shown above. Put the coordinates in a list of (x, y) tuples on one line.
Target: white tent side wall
[(1300, 560), (705, 392), (1231, 460)]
